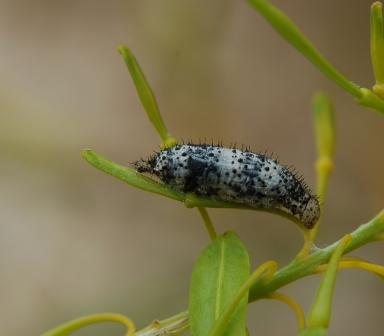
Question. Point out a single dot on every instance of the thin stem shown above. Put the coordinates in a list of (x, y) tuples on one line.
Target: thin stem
[(174, 325), (363, 235), (371, 100), (325, 136), (299, 313), (140, 181), (208, 223), (300, 268), (320, 313), (71, 326), (377, 41), (289, 31), (130, 176), (352, 262)]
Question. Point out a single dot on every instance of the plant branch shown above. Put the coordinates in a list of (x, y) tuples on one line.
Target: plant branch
[(291, 303), (171, 326), (290, 32), (140, 181), (297, 269), (72, 326), (363, 235), (208, 223)]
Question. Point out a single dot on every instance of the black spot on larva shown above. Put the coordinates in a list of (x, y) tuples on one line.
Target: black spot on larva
[(253, 179)]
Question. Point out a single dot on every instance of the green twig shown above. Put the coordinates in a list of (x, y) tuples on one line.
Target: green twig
[(297, 269), (363, 235), (289, 31), (320, 313), (172, 326), (208, 223), (325, 136), (74, 325), (137, 180), (377, 42)]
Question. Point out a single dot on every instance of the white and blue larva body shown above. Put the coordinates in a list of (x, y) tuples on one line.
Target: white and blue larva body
[(236, 176)]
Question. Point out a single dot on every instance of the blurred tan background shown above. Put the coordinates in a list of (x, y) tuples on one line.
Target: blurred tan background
[(74, 241)]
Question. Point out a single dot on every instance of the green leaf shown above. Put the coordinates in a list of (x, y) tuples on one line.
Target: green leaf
[(289, 31), (217, 277), (146, 95), (320, 313), (130, 175), (377, 41)]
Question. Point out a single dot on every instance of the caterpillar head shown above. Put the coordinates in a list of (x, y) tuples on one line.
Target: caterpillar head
[(143, 166), (311, 213)]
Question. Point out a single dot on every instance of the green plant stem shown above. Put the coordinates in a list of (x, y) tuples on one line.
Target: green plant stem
[(140, 181), (296, 308), (377, 41), (72, 326), (325, 135), (289, 31), (130, 176), (174, 325), (208, 223), (320, 313), (363, 235)]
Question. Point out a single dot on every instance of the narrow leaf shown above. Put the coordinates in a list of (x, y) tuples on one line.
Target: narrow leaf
[(289, 31), (146, 95), (377, 41), (137, 180), (320, 314), (217, 277)]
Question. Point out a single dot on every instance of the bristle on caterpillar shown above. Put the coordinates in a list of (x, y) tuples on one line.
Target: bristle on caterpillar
[(233, 175)]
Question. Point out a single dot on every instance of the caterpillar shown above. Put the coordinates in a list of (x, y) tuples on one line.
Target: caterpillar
[(233, 175)]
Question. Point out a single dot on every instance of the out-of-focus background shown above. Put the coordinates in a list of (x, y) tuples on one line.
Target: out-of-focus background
[(74, 241)]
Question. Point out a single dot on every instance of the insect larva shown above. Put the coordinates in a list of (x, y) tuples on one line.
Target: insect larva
[(236, 176)]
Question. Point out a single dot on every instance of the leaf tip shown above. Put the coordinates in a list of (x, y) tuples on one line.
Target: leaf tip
[(124, 50), (86, 153), (377, 5)]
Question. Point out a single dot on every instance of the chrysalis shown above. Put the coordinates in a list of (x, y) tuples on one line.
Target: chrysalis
[(236, 176)]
